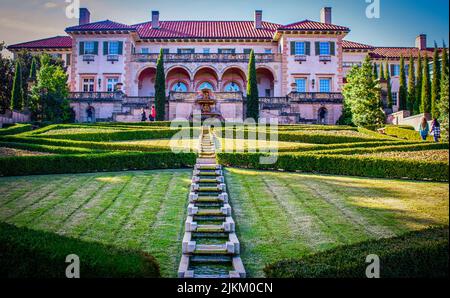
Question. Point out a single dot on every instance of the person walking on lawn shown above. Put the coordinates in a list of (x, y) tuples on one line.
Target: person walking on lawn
[(153, 114), (143, 115), (424, 129), (436, 130)]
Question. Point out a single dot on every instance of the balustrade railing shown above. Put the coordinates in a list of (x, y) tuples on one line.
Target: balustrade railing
[(211, 57)]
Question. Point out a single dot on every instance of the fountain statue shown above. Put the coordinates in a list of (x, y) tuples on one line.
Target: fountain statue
[(207, 105)]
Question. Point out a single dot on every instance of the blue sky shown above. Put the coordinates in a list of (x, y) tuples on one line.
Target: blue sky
[(399, 23)]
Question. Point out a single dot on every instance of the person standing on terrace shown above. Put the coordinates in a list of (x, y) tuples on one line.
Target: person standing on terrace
[(424, 129)]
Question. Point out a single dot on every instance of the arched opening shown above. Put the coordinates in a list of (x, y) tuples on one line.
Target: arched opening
[(146, 82), (233, 80), (178, 79), (322, 115), (206, 78), (90, 114), (266, 82)]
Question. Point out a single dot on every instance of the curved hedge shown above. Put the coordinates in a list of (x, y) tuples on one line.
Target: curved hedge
[(406, 134), (414, 147), (342, 165), (48, 149), (85, 163), (15, 129), (422, 254), (27, 253)]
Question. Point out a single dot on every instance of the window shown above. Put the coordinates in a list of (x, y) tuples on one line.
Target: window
[(324, 48), (113, 48), (89, 48), (185, 51), (206, 51), (301, 84), (180, 87), (88, 85), (394, 98), (300, 48), (232, 87), (227, 51), (267, 51), (166, 51), (111, 84), (247, 51), (268, 92), (206, 85), (395, 70), (325, 85), (145, 51)]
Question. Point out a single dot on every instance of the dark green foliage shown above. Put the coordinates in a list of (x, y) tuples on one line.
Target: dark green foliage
[(15, 129), (388, 148), (422, 254), (443, 105), (6, 80), (17, 99), (48, 149), (389, 102), (402, 92), (436, 83), (160, 89), (419, 80), (382, 74), (406, 134), (86, 163), (28, 253), (425, 106), (342, 165), (33, 71), (411, 85), (375, 71), (252, 89)]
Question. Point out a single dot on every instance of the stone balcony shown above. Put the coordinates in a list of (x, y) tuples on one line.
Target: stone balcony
[(301, 97), (206, 58)]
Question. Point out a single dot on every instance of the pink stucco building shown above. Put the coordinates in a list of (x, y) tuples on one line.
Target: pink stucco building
[(301, 67)]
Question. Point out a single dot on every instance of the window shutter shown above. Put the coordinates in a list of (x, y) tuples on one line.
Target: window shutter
[(120, 47), (105, 48), (317, 48), (292, 47), (308, 48), (95, 47), (332, 48), (81, 48)]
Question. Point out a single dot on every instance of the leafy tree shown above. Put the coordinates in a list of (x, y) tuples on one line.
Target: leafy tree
[(402, 92), (425, 106), (444, 97), (419, 79), (362, 95), (160, 88), (389, 102), (436, 84), (252, 89), (6, 80), (382, 76), (49, 96), (17, 90), (411, 85)]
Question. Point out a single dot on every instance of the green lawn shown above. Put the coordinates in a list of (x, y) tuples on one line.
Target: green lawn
[(285, 215), (143, 210)]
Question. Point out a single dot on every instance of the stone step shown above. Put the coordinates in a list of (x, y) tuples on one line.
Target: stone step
[(211, 259), (210, 228), (210, 166), (211, 249), (205, 161)]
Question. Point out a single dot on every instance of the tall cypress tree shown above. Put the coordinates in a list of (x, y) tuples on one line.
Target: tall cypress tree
[(17, 99), (389, 102), (419, 78), (436, 83), (444, 72), (252, 89), (425, 106), (382, 76), (33, 70), (402, 91), (411, 85), (160, 89), (375, 71)]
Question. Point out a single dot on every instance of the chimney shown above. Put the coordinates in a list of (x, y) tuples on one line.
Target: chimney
[(155, 19), (421, 42), (325, 15), (258, 19), (85, 16)]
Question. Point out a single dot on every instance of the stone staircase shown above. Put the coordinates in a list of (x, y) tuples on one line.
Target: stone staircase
[(210, 246)]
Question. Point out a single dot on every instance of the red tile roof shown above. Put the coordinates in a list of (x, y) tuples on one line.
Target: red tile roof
[(207, 29), (397, 52), (309, 25), (101, 26), (57, 42), (351, 45)]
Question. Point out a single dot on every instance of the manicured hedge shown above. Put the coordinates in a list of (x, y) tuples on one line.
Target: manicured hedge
[(422, 254), (85, 163), (15, 129), (342, 165), (406, 134), (48, 149), (26, 253), (375, 134), (414, 147), (372, 144)]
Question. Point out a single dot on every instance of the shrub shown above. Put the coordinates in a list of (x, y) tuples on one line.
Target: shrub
[(375, 134), (406, 134), (85, 163), (48, 149), (343, 165), (416, 254), (27, 253), (15, 129), (324, 147)]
